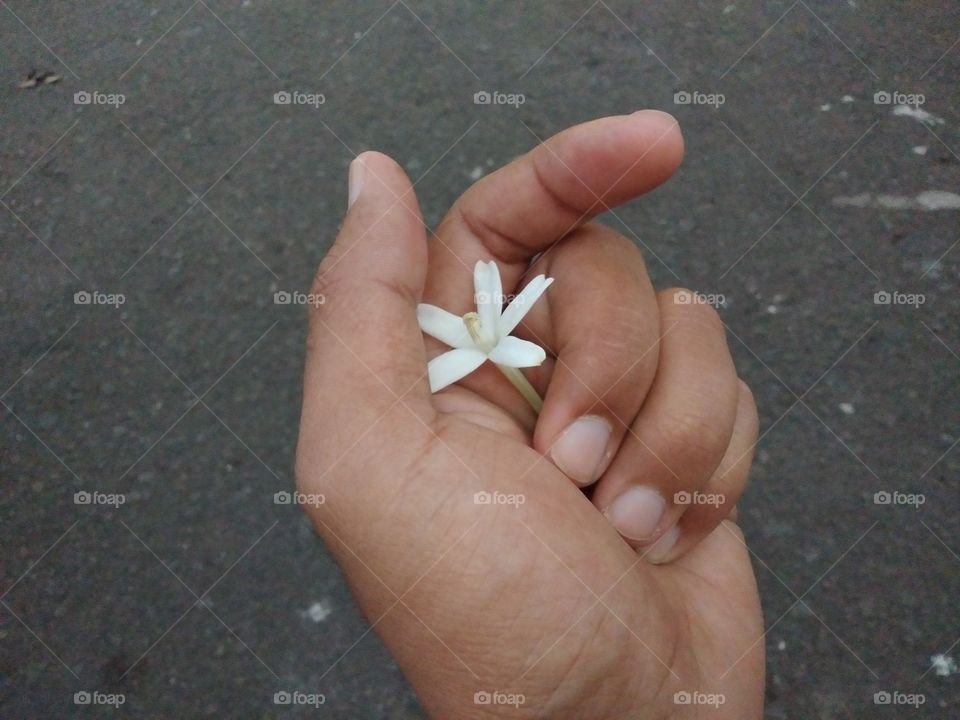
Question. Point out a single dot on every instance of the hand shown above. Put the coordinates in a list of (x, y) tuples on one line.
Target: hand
[(537, 596)]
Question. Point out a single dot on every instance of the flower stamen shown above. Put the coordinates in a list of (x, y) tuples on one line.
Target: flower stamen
[(475, 328)]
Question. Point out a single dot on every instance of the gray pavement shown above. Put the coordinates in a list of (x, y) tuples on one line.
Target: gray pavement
[(800, 198)]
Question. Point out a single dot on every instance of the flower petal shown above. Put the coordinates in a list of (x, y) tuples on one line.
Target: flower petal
[(514, 352), (522, 303), (446, 369), (488, 294), (444, 326)]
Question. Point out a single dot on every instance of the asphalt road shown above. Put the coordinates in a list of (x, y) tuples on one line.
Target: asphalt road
[(801, 197)]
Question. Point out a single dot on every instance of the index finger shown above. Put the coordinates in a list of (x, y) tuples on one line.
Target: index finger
[(528, 205)]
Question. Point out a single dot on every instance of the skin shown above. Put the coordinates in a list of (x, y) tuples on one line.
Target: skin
[(543, 598)]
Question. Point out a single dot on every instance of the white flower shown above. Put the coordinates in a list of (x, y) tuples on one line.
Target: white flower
[(485, 334)]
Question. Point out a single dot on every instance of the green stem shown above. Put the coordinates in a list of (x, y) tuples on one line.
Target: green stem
[(523, 385)]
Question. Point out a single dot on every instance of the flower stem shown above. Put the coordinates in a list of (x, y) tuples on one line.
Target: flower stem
[(523, 385)]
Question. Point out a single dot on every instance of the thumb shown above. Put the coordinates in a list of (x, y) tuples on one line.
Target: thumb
[(365, 352)]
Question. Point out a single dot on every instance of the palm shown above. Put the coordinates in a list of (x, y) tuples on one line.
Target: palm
[(557, 540)]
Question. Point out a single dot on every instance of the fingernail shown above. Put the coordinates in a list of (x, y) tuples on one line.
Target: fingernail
[(660, 550), (653, 112), (637, 512), (581, 451), (354, 181)]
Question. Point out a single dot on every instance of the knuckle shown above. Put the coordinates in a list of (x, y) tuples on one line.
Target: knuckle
[(338, 301), (302, 476), (618, 246), (321, 276), (325, 277), (694, 434), (322, 285), (305, 474), (608, 258), (504, 248)]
